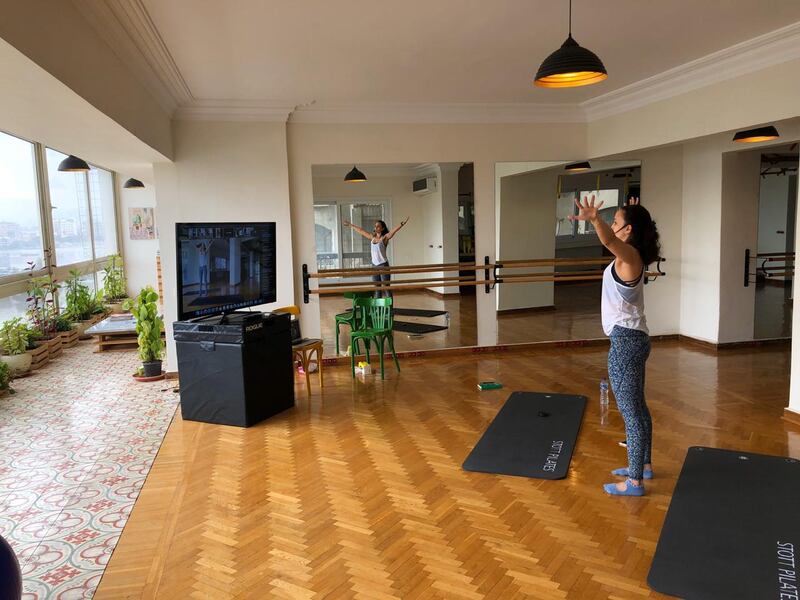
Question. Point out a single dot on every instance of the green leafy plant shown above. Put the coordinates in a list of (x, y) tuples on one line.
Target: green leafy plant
[(149, 324), (114, 284), (64, 323), (42, 311), (5, 378), (80, 300), (14, 336)]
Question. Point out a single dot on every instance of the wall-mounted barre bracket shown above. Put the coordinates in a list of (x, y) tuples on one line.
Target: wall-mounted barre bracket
[(305, 284), (495, 277), (747, 267), (488, 287)]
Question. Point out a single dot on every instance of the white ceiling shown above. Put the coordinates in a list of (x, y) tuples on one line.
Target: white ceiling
[(441, 51)]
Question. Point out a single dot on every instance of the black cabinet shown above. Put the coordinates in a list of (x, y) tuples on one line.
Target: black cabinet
[(236, 370)]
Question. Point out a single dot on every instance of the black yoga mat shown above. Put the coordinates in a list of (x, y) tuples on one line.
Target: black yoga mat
[(732, 529), (418, 312), (416, 328), (533, 435)]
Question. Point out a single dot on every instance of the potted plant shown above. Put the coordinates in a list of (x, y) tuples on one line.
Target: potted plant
[(5, 379), (66, 330), (114, 284), (14, 343), (42, 312), (82, 306), (149, 326), (38, 350)]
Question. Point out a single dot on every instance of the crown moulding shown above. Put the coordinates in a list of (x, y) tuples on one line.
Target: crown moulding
[(127, 27)]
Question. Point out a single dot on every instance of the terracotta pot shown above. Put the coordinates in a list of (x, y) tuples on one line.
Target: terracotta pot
[(18, 363)]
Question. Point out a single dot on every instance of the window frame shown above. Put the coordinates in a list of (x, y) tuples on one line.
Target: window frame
[(11, 285)]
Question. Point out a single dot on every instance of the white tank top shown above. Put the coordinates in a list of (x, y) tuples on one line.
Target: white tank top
[(379, 252), (622, 304)]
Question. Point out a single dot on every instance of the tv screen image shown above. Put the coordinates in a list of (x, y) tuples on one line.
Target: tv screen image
[(222, 267)]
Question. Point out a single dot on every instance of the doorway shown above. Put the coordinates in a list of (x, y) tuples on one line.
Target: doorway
[(777, 207)]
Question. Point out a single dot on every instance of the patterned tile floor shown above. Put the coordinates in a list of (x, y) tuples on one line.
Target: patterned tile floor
[(76, 443)]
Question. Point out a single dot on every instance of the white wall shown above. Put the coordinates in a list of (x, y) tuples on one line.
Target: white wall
[(772, 213), (482, 144), (765, 96), (701, 236), (139, 255), (739, 230), (794, 379), (527, 230), (224, 171)]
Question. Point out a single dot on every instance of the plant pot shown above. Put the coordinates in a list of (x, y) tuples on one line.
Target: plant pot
[(151, 368), (68, 338), (115, 307), (39, 355), (18, 363)]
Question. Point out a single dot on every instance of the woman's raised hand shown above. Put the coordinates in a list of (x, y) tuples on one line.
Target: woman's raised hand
[(347, 223), (632, 201), (403, 222), (587, 209)]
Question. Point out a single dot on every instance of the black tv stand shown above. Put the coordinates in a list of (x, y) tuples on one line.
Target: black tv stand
[(234, 368)]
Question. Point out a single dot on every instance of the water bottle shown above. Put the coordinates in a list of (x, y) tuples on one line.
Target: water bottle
[(603, 401), (604, 393)]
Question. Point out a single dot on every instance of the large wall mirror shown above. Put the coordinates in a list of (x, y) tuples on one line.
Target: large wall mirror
[(534, 203), (436, 201)]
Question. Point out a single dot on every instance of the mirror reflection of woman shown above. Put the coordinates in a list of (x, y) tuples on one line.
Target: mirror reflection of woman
[(379, 239), (634, 241)]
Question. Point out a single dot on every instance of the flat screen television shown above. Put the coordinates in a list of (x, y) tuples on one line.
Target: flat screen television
[(222, 267)]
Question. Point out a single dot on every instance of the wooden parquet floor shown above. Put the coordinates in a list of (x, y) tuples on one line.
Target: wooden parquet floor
[(358, 492)]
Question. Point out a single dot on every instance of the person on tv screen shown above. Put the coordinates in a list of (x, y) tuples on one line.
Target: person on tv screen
[(203, 251)]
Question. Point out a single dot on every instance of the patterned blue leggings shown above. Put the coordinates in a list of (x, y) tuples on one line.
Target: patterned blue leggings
[(626, 364)]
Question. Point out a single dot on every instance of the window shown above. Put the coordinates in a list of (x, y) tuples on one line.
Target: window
[(13, 306), (104, 218), (70, 201), (610, 200), (326, 228), (20, 222)]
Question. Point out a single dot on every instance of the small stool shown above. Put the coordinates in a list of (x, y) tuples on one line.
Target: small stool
[(303, 351)]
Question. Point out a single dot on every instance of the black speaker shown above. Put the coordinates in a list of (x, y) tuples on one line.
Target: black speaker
[(237, 371)]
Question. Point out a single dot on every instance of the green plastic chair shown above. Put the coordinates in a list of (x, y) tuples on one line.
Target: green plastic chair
[(377, 327), (350, 318)]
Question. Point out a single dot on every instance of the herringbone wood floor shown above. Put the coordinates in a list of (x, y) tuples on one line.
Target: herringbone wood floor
[(358, 492)]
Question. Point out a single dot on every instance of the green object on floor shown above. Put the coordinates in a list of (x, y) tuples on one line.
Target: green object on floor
[(375, 326), (351, 317), (489, 385)]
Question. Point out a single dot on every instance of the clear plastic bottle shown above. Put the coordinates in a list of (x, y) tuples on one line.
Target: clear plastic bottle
[(604, 393), (603, 401)]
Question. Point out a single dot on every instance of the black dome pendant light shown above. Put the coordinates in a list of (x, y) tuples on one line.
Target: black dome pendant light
[(133, 184), (355, 176), (73, 164), (578, 166), (759, 134), (571, 65)]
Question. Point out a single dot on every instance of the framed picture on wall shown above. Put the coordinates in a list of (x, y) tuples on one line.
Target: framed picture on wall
[(141, 223)]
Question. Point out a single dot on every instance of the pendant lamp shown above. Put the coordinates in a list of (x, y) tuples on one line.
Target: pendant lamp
[(759, 134), (73, 164), (571, 65), (578, 166), (133, 184), (355, 176)]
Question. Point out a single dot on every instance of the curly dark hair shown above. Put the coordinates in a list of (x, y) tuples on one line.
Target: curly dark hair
[(644, 234)]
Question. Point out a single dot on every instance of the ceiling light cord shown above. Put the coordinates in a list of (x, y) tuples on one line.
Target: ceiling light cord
[(570, 18)]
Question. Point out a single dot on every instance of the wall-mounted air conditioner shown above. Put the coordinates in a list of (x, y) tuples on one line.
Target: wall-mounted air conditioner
[(424, 186)]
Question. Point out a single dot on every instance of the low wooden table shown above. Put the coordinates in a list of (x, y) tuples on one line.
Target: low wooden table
[(117, 332)]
